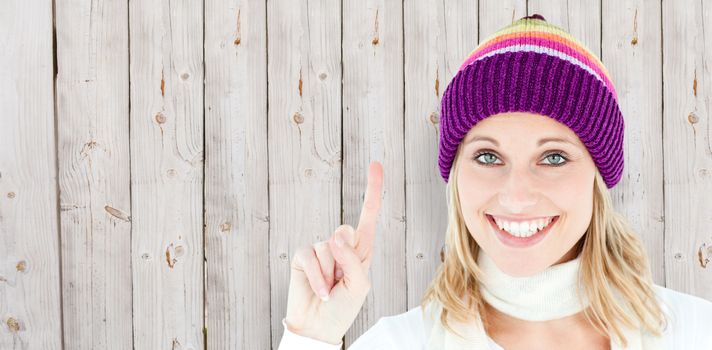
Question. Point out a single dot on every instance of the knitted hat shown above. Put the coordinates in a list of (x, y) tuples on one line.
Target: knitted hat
[(533, 66)]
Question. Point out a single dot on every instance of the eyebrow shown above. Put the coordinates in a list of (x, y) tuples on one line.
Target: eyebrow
[(539, 143)]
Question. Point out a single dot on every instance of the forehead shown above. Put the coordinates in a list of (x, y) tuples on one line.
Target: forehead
[(522, 125)]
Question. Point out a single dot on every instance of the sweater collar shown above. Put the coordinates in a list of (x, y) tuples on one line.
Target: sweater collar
[(471, 334), (547, 295)]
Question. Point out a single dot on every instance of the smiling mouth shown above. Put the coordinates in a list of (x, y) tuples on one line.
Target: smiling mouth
[(519, 242)]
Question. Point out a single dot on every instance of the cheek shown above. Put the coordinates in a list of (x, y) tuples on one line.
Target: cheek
[(474, 193), (474, 190), (575, 198), (575, 189), (472, 175)]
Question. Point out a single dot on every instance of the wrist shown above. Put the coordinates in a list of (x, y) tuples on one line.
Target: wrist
[(290, 327), (311, 334)]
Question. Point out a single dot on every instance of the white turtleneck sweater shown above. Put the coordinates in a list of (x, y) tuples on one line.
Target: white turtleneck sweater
[(690, 328)]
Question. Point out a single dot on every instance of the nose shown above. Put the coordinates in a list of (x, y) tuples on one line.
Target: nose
[(518, 194)]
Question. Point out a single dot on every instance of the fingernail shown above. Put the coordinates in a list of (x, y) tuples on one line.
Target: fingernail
[(338, 240), (324, 294)]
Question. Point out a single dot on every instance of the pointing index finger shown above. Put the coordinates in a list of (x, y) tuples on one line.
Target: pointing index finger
[(371, 206)]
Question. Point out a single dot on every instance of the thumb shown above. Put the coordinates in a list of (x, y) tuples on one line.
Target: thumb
[(355, 278)]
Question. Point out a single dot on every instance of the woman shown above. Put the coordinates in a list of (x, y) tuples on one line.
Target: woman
[(536, 257)]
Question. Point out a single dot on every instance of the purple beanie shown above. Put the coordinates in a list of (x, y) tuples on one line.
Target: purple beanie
[(533, 66)]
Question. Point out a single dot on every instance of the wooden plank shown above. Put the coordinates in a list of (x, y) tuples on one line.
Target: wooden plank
[(236, 207), (30, 294), (94, 176), (437, 41), (304, 134), (166, 67), (373, 115), (687, 145), (631, 52), (495, 14)]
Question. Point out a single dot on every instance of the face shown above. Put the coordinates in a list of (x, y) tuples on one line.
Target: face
[(539, 190)]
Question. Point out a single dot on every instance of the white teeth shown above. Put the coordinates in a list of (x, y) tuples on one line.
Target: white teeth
[(523, 229), (520, 229)]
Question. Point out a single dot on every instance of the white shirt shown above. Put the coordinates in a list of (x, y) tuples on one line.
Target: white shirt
[(690, 327)]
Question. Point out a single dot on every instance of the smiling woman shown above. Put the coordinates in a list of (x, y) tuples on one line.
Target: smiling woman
[(531, 141), (524, 221), (526, 178), (534, 245)]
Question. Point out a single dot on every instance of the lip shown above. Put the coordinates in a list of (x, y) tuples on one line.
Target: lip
[(520, 242), (521, 218)]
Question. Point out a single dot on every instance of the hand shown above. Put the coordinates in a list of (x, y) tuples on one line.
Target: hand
[(318, 267)]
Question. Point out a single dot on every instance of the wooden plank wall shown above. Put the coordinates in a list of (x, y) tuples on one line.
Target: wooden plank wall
[(92, 125), (30, 263), (161, 161)]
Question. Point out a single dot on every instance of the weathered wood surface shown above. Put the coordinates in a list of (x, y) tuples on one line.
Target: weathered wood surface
[(161, 162)]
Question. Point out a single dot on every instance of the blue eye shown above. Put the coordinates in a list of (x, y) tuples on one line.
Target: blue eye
[(556, 156), (490, 157)]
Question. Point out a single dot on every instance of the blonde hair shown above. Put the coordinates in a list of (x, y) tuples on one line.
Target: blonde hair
[(613, 262)]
